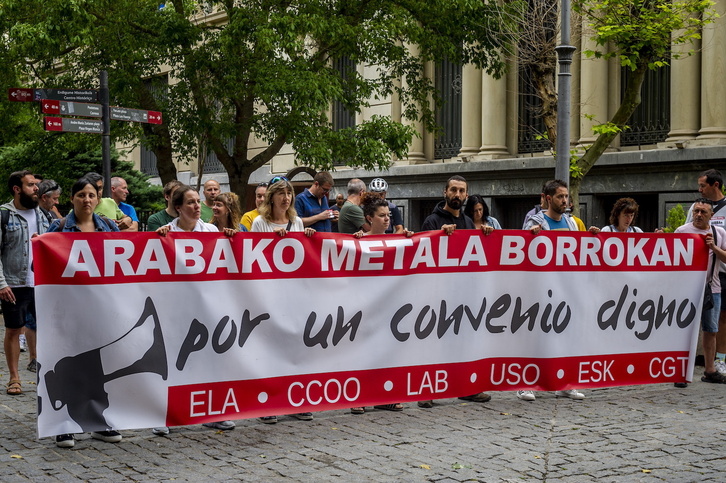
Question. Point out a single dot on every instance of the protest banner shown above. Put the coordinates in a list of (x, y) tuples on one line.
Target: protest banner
[(144, 331)]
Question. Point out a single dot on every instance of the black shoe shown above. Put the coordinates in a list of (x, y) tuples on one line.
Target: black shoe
[(680, 385), (65, 441), (713, 377)]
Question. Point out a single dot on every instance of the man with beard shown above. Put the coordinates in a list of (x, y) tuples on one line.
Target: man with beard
[(554, 217), (448, 216), (21, 221)]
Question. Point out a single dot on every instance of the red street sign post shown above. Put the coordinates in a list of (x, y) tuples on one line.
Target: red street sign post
[(17, 94)]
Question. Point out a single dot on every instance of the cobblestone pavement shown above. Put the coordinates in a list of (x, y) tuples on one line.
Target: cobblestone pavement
[(637, 433)]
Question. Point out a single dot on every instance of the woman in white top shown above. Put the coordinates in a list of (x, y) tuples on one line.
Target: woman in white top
[(622, 217), (277, 212), (187, 204), (278, 215)]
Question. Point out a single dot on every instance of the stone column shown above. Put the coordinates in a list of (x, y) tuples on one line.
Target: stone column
[(471, 91), (713, 79), (593, 89), (493, 117), (416, 153), (685, 93)]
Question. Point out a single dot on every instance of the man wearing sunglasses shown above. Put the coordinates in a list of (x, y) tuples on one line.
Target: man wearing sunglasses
[(312, 204)]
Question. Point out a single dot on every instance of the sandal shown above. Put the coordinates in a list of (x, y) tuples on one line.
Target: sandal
[(357, 410), (14, 387), (390, 407)]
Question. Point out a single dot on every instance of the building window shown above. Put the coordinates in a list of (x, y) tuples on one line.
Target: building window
[(651, 121), (342, 117), (448, 111), (531, 130)]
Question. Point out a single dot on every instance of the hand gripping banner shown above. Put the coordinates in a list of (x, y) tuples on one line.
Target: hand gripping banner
[(138, 330)]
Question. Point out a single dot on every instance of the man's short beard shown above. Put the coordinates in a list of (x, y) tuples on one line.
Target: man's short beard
[(27, 201), (453, 203)]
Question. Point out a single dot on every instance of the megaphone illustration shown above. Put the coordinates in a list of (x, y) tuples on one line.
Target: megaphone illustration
[(78, 382)]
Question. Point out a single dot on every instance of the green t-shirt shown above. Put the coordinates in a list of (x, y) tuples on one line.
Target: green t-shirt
[(207, 213), (108, 208), (157, 220)]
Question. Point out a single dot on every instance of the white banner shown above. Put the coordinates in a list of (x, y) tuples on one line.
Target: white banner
[(143, 331)]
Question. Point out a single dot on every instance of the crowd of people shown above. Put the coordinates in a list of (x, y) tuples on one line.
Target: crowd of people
[(364, 211)]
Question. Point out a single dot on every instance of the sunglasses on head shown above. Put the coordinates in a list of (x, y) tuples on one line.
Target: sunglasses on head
[(278, 178), (52, 188)]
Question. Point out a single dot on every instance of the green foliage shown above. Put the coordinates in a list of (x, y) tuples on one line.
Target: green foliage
[(262, 73), (676, 217), (642, 32)]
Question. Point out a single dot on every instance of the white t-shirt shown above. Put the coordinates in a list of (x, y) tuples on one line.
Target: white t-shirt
[(720, 242), (32, 220), (262, 225), (200, 226)]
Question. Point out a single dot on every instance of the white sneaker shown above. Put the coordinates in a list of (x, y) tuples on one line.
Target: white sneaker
[(721, 367), (221, 425), (160, 431), (23, 343), (571, 393), (525, 395)]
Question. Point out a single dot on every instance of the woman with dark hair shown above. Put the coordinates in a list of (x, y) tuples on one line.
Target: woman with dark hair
[(188, 205), (477, 209), (227, 213), (84, 197), (622, 217), (378, 215)]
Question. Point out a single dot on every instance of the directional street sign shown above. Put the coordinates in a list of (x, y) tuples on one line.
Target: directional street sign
[(64, 108), (70, 95), (135, 115), (70, 124), (18, 94)]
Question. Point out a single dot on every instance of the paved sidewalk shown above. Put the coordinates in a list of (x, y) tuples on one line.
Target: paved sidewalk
[(637, 433)]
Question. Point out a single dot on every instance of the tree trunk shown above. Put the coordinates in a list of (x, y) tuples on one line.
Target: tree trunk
[(631, 101)]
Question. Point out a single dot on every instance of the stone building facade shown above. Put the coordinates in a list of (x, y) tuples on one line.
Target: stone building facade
[(489, 137)]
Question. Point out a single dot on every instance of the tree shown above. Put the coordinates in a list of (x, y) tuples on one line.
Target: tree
[(257, 74), (639, 33)]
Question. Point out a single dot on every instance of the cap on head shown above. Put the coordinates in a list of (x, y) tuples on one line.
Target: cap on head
[(378, 185)]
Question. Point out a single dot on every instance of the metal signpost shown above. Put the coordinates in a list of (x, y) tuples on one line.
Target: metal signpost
[(79, 102)]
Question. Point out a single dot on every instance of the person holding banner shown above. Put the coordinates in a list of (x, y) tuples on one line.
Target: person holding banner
[(378, 215), (448, 216), (622, 217), (187, 203), (227, 214), (277, 212), (278, 215), (84, 197), (702, 212), (554, 217)]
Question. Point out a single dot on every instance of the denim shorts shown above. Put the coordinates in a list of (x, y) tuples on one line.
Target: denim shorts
[(709, 318)]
